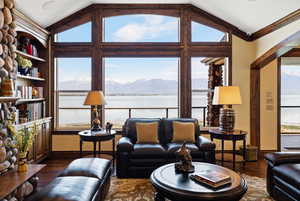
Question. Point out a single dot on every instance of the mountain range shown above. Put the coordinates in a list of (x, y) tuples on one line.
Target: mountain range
[(290, 85), (152, 86)]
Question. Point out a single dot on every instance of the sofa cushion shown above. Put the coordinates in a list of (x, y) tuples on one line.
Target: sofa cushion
[(130, 127), (289, 173), (147, 133), (183, 132), (89, 167), (172, 147), (148, 149), (167, 128), (68, 189)]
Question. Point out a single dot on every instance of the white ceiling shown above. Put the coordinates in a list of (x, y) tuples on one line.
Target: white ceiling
[(248, 15)]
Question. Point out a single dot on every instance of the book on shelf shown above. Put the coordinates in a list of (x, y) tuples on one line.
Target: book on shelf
[(28, 92), (31, 112), (211, 178)]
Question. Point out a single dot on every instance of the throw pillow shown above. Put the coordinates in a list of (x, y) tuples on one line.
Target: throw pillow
[(183, 132), (147, 133)]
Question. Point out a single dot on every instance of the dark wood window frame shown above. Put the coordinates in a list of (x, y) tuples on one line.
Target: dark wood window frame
[(184, 49)]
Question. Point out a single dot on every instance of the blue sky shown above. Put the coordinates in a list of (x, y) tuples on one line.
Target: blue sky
[(134, 28)]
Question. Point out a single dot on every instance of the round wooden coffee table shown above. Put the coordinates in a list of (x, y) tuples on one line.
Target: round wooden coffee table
[(177, 187)]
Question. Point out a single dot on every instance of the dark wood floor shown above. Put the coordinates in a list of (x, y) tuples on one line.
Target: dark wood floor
[(55, 166)]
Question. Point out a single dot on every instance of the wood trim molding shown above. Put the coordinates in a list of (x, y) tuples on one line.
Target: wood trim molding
[(170, 10), (276, 25), (277, 51)]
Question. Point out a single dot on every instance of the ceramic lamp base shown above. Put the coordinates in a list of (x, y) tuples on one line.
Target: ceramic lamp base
[(227, 119)]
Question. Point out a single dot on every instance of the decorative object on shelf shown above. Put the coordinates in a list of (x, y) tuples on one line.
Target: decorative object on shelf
[(24, 142), (185, 164), (108, 127), (94, 99), (24, 65), (227, 95), (7, 88)]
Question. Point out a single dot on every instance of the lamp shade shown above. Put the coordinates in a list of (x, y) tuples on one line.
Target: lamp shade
[(94, 98), (227, 95)]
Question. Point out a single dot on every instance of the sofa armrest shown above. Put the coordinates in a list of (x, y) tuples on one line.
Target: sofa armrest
[(205, 144), (278, 158), (125, 145)]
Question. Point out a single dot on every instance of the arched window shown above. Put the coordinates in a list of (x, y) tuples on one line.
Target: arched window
[(203, 33), (141, 28), (80, 33)]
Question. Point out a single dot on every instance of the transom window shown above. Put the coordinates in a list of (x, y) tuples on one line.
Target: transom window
[(202, 33), (80, 33), (141, 28)]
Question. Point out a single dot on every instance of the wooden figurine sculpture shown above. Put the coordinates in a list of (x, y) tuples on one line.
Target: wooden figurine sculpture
[(108, 127), (185, 163)]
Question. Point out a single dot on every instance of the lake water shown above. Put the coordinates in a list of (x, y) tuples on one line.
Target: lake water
[(118, 116)]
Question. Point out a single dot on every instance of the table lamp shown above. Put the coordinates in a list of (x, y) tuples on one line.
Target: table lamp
[(227, 95), (95, 98)]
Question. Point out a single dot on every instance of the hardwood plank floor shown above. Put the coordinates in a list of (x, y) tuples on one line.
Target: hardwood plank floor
[(55, 166)]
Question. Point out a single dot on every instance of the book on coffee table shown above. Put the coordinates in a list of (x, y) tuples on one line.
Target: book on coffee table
[(213, 179)]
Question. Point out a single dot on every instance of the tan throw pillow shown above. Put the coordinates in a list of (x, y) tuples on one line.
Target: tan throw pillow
[(147, 133), (183, 132)]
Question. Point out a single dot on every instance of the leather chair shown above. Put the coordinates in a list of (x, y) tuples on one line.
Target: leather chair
[(283, 176), (85, 179), (139, 160)]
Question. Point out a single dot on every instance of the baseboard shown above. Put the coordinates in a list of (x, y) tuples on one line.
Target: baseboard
[(262, 153), (74, 154)]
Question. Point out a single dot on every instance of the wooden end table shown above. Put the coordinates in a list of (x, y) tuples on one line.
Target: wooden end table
[(91, 136), (235, 135), (178, 187)]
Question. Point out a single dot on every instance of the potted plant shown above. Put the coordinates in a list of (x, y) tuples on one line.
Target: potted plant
[(24, 142), (24, 65)]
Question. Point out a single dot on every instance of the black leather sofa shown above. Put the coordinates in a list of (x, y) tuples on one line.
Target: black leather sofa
[(139, 160), (283, 176), (85, 179)]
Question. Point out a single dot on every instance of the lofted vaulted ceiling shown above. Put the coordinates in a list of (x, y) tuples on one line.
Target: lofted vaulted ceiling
[(247, 15)]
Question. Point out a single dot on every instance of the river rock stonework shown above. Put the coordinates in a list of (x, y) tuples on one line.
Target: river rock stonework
[(8, 69)]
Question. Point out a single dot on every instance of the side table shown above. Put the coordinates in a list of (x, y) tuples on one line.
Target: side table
[(233, 136), (97, 136)]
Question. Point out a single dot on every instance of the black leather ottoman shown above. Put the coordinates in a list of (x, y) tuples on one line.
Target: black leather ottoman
[(85, 179)]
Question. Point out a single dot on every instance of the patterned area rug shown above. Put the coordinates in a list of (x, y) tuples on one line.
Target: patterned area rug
[(142, 190)]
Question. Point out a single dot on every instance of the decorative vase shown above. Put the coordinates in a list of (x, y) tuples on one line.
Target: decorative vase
[(7, 87), (22, 163)]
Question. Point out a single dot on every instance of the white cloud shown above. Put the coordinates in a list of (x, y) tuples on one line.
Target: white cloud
[(152, 27)]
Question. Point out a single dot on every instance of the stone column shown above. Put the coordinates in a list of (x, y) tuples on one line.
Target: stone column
[(215, 78)]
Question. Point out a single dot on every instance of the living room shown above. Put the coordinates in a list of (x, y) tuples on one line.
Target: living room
[(149, 100)]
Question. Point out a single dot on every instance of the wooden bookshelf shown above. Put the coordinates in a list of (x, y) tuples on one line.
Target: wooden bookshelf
[(28, 56), (30, 78), (38, 122), (33, 100), (5, 99)]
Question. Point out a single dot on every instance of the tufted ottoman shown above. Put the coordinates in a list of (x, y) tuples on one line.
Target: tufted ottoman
[(85, 179)]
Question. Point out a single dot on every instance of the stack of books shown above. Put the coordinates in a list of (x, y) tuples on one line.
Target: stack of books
[(25, 92), (211, 179)]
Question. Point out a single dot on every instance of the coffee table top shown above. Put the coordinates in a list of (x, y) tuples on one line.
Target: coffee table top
[(165, 178)]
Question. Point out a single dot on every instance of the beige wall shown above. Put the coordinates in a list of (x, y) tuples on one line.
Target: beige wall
[(243, 54), (268, 106)]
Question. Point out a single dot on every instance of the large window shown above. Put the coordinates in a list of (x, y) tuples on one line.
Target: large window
[(139, 60), (140, 87), (73, 83), (141, 28)]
